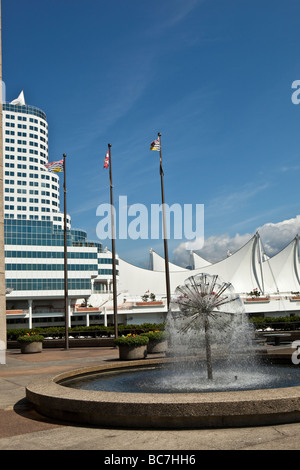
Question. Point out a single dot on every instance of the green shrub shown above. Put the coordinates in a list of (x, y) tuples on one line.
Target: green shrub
[(131, 340), (13, 334), (152, 326), (283, 322), (156, 335), (30, 338)]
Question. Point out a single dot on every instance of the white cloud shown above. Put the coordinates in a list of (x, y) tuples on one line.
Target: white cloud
[(232, 201), (173, 17), (274, 238), (292, 168)]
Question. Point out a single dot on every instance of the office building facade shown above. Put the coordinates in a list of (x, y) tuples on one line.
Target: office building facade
[(34, 232)]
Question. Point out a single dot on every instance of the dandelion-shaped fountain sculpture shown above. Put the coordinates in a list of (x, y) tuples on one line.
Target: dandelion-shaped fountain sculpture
[(206, 302)]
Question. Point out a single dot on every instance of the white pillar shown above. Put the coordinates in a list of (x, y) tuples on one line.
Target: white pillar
[(69, 312), (105, 316), (30, 313), (87, 319)]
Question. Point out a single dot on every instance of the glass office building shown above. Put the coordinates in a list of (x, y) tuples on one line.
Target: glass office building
[(34, 231)]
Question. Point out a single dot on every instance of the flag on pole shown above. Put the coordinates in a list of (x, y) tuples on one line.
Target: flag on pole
[(55, 167), (155, 145), (106, 160)]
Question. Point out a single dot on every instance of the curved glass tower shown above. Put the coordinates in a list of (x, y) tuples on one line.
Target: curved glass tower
[(34, 235), (31, 191)]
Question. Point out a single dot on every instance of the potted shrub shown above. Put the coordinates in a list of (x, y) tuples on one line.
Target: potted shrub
[(150, 297), (158, 341), (145, 297), (132, 347), (255, 296), (295, 296), (31, 343)]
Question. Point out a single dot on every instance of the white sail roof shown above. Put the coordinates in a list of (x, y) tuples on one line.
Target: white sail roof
[(196, 261), (136, 281), (246, 269), (157, 263), (20, 100), (281, 272), (237, 269)]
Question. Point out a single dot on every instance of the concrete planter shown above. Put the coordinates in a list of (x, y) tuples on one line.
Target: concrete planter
[(129, 353), (258, 300), (149, 304), (157, 346), (30, 348)]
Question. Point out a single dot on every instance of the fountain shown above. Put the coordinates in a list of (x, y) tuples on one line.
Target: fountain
[(208, 309), (211, 376)]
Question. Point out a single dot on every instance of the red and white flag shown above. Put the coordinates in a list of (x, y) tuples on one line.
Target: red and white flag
[(106, 160)]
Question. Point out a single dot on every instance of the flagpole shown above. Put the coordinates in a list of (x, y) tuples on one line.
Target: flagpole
[(3, 325), (66, 259), (164, 225), (113, 247)]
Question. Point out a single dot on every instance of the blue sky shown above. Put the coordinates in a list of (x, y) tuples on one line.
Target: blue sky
[(213, 76)]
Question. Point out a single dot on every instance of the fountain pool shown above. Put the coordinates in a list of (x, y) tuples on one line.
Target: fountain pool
[(225, 388), (168, 380)]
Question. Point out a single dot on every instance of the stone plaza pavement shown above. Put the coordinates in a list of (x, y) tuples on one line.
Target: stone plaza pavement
[(21, 428)]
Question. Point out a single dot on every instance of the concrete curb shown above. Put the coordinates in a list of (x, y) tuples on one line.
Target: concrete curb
[(155, 410)]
